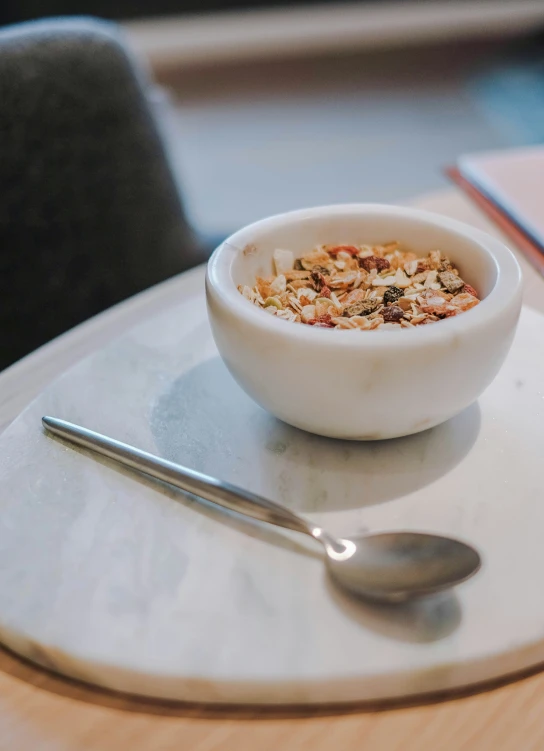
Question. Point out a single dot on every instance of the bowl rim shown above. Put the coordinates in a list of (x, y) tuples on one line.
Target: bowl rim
[(506, 289)]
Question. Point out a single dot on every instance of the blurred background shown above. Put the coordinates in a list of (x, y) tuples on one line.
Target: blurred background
[(263, 106), (270, 105)]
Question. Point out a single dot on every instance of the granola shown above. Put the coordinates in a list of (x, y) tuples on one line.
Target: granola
[(362, 287)]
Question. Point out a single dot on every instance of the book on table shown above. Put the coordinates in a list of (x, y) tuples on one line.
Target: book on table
[(509, 186)]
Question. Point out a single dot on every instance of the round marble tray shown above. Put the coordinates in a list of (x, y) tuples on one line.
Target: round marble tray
[(123, 582)]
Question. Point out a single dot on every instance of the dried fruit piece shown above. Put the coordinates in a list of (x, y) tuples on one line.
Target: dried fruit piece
[(392, 313), (318, 280), (324, 321), (464, 301), (450, 281), (373, 262), (392, 294), (470, 290)]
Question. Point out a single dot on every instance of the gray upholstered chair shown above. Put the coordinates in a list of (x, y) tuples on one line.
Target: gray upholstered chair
[(89, 209)]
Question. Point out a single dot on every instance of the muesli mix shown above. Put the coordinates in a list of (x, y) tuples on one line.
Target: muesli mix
[(362, 287)]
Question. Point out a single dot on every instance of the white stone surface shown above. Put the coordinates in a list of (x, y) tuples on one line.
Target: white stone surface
[(122, 582)]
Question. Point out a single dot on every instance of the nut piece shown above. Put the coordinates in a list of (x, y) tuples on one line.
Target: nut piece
[(450, 281), (392, 313), (391, 295), (361, 308), (405, 303)]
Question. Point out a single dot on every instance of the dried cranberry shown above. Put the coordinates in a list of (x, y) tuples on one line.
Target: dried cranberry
[(470, 290), (324, 321)]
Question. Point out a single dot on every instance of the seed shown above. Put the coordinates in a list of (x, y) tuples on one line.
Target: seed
[(275, 301)]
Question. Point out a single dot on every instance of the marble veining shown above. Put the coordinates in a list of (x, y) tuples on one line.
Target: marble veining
[(127, 583)]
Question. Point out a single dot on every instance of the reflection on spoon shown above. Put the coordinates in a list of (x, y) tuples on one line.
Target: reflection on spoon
[(396, 566), (389, 567)]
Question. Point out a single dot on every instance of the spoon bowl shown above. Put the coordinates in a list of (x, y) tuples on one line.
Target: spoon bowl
[(396, 566)]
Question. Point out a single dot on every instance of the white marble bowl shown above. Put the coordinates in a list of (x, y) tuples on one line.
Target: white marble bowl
[(363, 385)]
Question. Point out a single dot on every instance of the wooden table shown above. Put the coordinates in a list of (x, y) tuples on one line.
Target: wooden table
[(42, 712)]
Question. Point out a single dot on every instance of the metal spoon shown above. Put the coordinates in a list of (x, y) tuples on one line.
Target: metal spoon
[(389, 567)]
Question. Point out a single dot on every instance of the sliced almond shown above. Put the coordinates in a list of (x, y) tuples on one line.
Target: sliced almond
[(278, 286)]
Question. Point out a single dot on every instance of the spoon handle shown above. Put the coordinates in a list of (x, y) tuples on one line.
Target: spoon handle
[(213, 490)]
